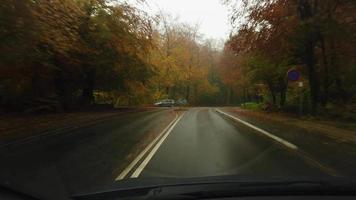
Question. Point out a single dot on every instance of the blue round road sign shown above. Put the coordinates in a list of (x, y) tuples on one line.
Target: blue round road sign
[(293, 75)]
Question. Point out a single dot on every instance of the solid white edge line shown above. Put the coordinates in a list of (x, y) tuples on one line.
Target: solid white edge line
[(278, 139), (139, 157), (154, 150)]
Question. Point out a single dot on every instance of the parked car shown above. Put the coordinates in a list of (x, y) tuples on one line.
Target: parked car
[(165, 103), (181, 102)]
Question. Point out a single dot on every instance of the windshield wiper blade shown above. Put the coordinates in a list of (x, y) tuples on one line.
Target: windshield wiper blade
[(228, 189), (264, 189)]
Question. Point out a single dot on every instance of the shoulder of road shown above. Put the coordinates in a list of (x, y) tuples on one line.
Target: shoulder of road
[(327, 145), (341, 131), (18, 127)]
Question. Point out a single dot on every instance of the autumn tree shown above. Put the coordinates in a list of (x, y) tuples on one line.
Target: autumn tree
[(182, 62), (58, 53), (298, 33)]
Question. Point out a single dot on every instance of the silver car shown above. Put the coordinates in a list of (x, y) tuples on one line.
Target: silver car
[(165, 103)]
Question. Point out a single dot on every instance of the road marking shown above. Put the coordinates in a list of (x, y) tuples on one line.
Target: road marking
[(318, 165), (299, 152), (154, 150), (270, 135), (123, 174)]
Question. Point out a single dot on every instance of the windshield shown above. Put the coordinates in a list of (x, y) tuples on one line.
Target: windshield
[(99, 94)]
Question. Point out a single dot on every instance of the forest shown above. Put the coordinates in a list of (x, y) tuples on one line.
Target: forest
[(66, 55), (315, 37)]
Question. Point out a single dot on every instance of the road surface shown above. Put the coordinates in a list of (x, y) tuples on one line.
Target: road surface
[(194, 142), (204, 143)]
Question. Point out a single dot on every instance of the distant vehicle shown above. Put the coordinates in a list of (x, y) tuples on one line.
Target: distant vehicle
[(181, 102), (165, 103)]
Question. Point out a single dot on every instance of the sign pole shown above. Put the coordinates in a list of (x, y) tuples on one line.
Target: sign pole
[(294, 75), (300, 84)]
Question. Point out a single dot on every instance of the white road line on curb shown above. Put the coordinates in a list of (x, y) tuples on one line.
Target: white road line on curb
[(154, 150), (278, 139), (139, 157)]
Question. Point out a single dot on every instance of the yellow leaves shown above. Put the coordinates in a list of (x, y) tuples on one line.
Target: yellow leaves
[(182, 62), (57, 23), (137, 93)]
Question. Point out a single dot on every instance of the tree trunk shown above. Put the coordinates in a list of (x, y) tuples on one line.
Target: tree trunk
[(245, 94), (326, 81), (306, 13), (195, 97), (228, 96), (88, 90), (283, 91), (272, 92), (36, 83), (313, 79), (167, 90), (187, 95), (61, 90), (173, 91), (232, 96), (341, 94)]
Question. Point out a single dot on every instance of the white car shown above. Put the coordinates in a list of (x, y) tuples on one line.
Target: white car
[(165, 103)]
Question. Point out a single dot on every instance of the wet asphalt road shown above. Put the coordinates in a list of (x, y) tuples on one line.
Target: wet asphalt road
[(202, 143), (82, 159)]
